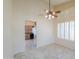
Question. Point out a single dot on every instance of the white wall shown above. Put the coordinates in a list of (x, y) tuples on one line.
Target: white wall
[(45, 33), (7, 30), (66, 15), (31, 10)]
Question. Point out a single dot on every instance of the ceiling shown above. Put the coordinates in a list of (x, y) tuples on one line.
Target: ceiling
[(57, 2)]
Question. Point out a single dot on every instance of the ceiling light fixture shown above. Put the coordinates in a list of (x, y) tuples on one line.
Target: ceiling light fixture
[(51, 14)]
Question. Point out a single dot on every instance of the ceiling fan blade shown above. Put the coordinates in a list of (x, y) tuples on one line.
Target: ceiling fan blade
[(57, 11), (55, 15)]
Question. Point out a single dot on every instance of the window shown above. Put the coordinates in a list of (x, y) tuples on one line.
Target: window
[(66, 30), (62, 30), (72, 30)]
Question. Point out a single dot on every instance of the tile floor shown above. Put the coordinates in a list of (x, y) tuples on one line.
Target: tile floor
[(52, 51)]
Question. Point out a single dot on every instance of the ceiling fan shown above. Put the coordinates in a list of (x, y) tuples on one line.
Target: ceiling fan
[(51, 14)]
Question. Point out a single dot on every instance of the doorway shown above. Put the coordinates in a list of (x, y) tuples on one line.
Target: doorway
[(30, 34)]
